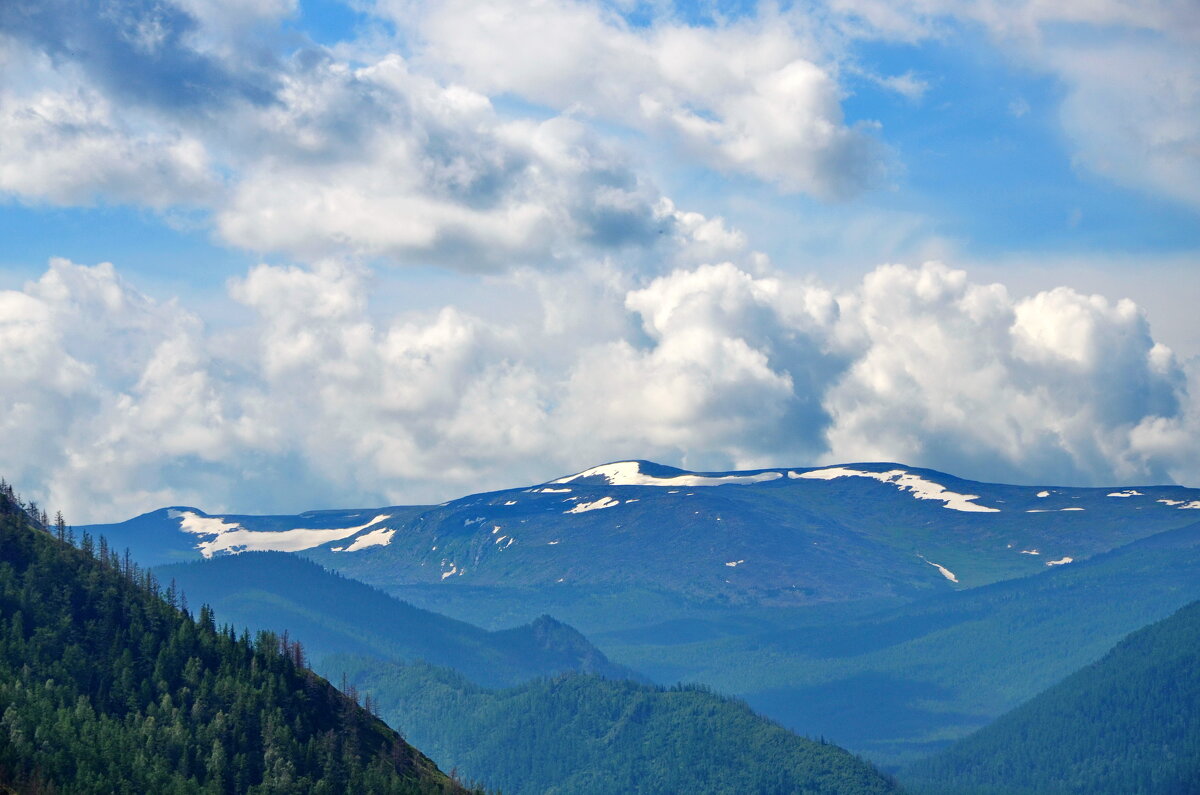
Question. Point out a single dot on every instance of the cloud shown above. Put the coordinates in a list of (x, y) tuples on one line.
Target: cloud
[(745, 97), (381, 162), (1154, 142), (140, 51), (1139, 58), (1052, 387), (68, 145), (372, 160), (113, 403), (104, 392)]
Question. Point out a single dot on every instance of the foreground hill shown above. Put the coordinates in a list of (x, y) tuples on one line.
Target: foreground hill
[(1128, 724), (105, 686), (332, 614), (583, 734)]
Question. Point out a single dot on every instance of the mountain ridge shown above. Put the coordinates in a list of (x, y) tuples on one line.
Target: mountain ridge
[(771, 536)]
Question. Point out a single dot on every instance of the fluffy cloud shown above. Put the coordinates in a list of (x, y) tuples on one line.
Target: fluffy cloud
[(103, 392), (749, 96), (1052, 387), (65, 143), (117, 403), (427, 173), (307, 155)]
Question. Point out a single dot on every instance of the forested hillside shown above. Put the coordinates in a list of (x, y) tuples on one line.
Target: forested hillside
[(1128, 724), (578, 733), (106, 685)]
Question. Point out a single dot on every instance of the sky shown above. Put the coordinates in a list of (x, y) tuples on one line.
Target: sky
[(276, 255)]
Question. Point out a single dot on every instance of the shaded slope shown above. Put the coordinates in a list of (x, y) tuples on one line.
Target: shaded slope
[(332, 614), (105, 687), (1128, 724), (581, 734)]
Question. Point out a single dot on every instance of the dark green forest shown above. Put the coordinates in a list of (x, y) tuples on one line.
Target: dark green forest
[(1129, 724), (109, 685), (579, 733)]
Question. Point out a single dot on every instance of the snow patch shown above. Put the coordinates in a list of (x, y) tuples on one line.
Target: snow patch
[(1074, 509), (554, 491), (949, 575), (452, 572), (1043, 494), (1030, 552), (629, 473), (1194, 505), (1061, 561), (920, 488), (376, 538), (733, 564), (231, 538), (511, 502), (551, 543), (603, 502), (1126, 493)]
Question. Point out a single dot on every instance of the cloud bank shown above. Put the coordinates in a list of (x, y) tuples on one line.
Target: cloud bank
[(122, 404)]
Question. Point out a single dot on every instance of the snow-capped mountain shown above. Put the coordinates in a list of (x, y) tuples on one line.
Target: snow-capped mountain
[(779, 535)]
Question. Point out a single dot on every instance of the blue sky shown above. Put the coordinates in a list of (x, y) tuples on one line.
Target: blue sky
[(394, 251)]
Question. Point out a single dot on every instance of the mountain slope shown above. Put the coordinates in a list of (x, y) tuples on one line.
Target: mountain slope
[(580, 734), (332, 614), (1128, 724), (899, 683), (775, 537), (107, 687)]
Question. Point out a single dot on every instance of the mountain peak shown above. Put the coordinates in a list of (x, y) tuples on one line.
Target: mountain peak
[(648, 473)]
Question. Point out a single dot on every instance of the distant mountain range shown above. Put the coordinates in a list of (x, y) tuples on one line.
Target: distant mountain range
[(775, 536), (335, 615), (888, 608)]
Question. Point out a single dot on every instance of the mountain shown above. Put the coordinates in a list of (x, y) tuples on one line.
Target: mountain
[(782, 537), (1128, 724), (899, 683), (889, 608), (581, 734), (580, 740), (106, 686), (331, 614)]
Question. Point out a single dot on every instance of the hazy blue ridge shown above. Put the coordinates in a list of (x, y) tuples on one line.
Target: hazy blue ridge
[(331, 614)]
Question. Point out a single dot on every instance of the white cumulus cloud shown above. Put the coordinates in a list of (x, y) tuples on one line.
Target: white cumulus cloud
[(113, 403), (755, 96)]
